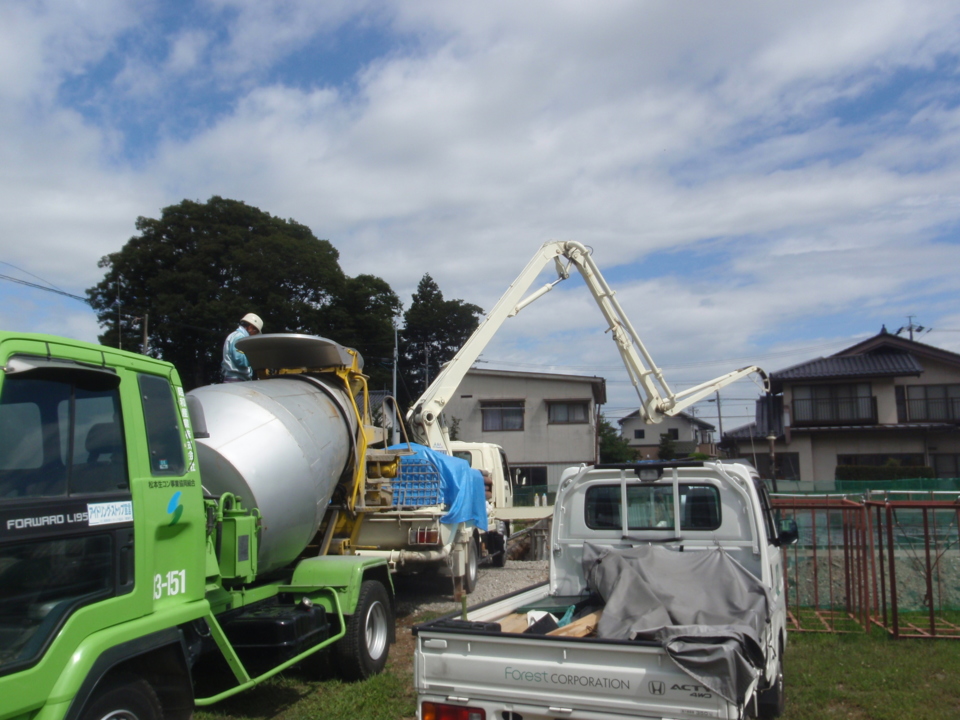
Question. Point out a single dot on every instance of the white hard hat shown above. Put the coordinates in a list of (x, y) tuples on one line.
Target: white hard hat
[(254, 320)]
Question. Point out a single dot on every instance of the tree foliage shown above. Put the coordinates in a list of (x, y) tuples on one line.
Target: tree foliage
[(667, 450), (434, 330), (201, 266), (613, 447)]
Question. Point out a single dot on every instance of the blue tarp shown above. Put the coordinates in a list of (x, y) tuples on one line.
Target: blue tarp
[(463, 491)]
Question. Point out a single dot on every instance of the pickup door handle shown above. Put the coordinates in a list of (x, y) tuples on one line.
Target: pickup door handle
[(435, 644)]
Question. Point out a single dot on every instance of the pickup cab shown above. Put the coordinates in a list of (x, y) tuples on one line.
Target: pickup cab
[(665, 599)]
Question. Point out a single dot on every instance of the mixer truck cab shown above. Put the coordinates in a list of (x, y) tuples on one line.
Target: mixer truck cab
[(131, 586)]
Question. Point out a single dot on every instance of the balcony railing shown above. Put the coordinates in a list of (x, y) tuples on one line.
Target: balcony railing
[(929, 410), (835, 411)]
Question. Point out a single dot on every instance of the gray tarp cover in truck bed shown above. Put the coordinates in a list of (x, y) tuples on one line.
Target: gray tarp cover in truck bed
[(705, 609)]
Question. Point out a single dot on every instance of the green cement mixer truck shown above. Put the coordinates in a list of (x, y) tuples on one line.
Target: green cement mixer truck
[(162, 550)]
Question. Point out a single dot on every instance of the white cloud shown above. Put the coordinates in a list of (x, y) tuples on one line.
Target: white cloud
[(630, 127)]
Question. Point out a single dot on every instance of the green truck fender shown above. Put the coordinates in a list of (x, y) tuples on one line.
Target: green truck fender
[(117, 646), (343, 574)]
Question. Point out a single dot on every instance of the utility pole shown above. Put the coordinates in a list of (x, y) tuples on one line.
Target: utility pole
[(719, 415), (396, 357), (719, 418), (119, 318), (146, 320), (426, 366)]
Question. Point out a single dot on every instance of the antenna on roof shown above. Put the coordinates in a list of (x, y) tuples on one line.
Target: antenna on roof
[(911, 327)]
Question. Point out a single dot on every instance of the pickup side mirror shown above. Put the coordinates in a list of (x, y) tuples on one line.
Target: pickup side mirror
[(789, 534)]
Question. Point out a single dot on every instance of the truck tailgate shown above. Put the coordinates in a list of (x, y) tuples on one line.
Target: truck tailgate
[(558, 677)]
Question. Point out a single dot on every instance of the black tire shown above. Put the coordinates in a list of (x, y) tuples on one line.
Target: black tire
[(472, 571), (363, 651), (772, 702), (499, 558), (126, 697)]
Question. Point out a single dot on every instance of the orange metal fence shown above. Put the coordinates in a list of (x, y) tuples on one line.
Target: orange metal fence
[(873, 561)]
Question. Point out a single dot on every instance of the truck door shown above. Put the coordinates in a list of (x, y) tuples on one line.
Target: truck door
[(66, 516)]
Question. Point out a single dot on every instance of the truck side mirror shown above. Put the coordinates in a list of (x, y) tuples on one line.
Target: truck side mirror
[(789, 534), (197, 419)]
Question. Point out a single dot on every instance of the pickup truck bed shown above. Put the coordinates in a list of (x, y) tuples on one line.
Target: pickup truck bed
[(557, 675)]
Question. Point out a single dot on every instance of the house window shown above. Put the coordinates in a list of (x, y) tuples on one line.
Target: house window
[(502, 415), (876, 459), (639, 434), (946, 465), (530, 487), (928, 402), (843, 403), (674, 433), (567, 413)]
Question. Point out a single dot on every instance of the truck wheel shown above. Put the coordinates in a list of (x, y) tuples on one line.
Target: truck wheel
[(362, 652), (128, 697), (773, 701), (500, 558), (472, 571)]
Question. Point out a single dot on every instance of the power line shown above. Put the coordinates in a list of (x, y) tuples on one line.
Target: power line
[(42, 287), (29, 273)]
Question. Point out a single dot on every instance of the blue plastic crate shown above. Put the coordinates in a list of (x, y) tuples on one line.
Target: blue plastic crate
[(417, 484)]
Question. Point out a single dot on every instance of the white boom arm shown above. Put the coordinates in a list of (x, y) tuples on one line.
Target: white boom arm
[(655, 402)]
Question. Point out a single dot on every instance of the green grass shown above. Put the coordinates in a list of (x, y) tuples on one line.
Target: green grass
[(849, 677), (292, 696), (871, 677)]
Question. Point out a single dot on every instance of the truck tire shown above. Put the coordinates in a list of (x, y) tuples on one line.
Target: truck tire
[(362, 652), (773, 701), (497, 547), (126, 697), (472, 568)]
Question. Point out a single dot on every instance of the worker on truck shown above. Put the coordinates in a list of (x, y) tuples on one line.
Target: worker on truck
[(235, 365)]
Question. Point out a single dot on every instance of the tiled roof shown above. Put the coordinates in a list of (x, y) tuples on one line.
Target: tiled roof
[(889, 364), (745, 432), (872, 428), (686, 416)]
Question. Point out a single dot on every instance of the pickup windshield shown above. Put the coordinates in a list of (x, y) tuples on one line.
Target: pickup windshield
[(650, 507)]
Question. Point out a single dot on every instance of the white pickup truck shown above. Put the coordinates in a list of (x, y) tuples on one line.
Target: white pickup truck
[(680, 615)]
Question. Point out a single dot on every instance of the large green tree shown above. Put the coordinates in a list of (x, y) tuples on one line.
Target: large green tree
[(434, 329), (200, 267)]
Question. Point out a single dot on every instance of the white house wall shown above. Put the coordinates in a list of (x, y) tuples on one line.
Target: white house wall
[(555, 446)]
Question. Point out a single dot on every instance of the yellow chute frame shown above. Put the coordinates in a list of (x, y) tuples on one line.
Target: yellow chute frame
[(355, 383)]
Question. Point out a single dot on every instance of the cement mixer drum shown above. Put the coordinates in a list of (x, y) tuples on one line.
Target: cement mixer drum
[(281, 444)]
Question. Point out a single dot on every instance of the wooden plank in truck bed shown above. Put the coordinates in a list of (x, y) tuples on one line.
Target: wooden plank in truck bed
[(582, 627)]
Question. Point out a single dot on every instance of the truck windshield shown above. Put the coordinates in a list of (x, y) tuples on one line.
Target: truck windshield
[(59, 438), (650, 507)]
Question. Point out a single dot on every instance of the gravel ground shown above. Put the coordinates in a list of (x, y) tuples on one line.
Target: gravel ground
[(418, 594)]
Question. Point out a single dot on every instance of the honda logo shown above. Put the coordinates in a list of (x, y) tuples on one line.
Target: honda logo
[(657, 688)]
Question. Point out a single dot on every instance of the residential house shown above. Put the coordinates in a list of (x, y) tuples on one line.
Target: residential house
[(545, 422), (689, 434), (884, 399)]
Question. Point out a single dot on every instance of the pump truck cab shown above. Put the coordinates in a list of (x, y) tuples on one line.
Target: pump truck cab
[(130, 582)]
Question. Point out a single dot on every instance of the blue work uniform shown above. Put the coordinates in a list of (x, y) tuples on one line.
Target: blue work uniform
[(235, 365)]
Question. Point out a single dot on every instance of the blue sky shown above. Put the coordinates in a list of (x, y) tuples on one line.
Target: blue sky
[(761, 182)]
